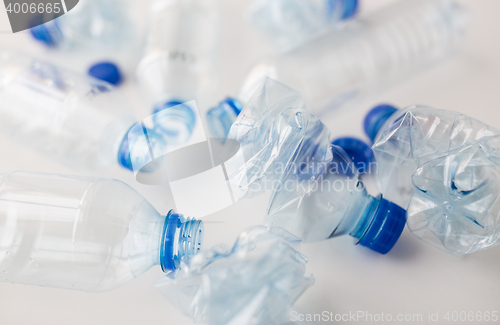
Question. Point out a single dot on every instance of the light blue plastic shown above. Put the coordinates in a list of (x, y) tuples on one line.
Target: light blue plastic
[(96, 25), (174, 120), (445, 168), (85, 233), (316, 189), (136, 146), (221, 117), (291, 23), (256, 281)]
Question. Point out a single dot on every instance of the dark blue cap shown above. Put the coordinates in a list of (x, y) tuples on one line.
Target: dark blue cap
[(106, 71), (360, 153), (376, 118), (385, 227), (350, 8)]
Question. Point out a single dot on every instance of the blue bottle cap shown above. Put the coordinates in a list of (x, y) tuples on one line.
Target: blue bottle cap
[(350, 8), (385, 227), (376, 118), (44, 35), (180, 238), (360, 153), (106, 71), (221, 117)]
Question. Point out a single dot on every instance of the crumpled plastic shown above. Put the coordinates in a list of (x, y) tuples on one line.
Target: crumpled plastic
[(444, 166), (287, 152), (257, 281)]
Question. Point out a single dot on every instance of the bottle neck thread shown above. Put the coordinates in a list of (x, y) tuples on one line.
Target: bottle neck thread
[(180, 238)]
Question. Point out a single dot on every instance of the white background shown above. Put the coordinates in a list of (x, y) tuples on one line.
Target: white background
[(413, 278)]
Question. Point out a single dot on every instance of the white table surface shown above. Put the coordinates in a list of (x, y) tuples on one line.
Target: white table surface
[(414, 278)]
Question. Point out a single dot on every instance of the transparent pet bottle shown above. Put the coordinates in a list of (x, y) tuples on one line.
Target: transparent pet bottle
[(90, 25), (79, 121), (290, 23), (316, 191), (369, 55), (444, 166), (83, 233), (179, 61)]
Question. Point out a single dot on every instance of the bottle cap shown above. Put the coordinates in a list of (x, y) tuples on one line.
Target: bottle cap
[(43, 34), (106, 71), (221, 117), (350, 8), (376, 118), (385, 228), (180, 238), (360, 153)]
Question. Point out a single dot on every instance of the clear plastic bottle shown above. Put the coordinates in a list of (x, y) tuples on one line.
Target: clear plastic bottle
[(317, 193), (179, 63), (370, 54), (90, 25), (79, 121), (83, 233), (257, 281), (444, 166), (290, 23)]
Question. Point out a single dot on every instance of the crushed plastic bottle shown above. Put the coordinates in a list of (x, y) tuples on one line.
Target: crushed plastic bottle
[(317, 193), (444, 166), (179, 63), (84, 233), (90, 25), (368, 56), (257, 281), (77, 120), (290, 23)]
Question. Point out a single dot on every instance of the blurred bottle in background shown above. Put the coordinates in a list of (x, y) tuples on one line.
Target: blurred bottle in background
[(290, 23), (370, 54), (179, 62), (77, 120), (100, 25), (98, 32), (84, 233)]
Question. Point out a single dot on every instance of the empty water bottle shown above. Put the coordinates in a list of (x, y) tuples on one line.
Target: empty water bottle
[(317, 193), (369, 55), (291, 23), (90, 25), (84, 233), (257, 281), (445, 167), (179, 61), (77, 120)]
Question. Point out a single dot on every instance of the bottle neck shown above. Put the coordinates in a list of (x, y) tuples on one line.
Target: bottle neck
[(367, 217), (221, 118), (180, 237)]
